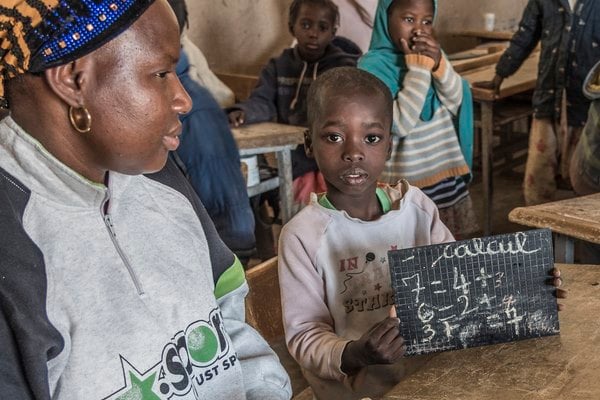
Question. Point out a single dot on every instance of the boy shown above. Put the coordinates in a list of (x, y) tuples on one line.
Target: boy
[(281, 90), (323, 249), (569, 39), (333, 253)]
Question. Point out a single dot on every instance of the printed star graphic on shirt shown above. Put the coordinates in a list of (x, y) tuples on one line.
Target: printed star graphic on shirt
[(137, 385), (140, 388), (378, 287)]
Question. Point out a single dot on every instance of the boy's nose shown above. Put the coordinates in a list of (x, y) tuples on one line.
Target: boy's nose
[(352, 153)]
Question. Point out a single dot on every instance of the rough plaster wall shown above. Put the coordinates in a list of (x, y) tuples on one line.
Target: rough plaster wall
[(239, 36)]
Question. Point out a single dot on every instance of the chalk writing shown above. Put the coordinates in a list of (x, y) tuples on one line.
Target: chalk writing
[(474, 292)]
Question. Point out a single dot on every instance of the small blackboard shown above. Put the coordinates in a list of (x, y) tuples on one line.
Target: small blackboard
[(475, 292)]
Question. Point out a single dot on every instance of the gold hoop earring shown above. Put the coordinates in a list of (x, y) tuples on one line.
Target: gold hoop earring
[(80, 118)]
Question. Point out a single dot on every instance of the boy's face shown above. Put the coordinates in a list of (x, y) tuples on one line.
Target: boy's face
[(351, 142), (407, 17), (314, 29)]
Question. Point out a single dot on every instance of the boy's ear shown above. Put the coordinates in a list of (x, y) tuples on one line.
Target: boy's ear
[(308, 144)]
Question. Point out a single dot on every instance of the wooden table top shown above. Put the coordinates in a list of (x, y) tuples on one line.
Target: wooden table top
[(578, 217), (267, 134), (556, 367), (521, 81), (483, 34)]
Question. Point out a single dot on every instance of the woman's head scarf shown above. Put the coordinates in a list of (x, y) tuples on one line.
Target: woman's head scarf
[(386, 61), (39, 34)]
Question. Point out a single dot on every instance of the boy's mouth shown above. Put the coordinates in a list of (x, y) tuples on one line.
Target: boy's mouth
[(354, 176)]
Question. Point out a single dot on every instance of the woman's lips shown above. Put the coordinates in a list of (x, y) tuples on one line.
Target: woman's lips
[(171, 142)]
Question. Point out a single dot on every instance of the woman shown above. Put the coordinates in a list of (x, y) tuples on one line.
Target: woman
[(112, 284)]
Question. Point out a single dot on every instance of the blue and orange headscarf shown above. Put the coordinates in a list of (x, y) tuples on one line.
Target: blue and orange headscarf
[(39, 34), (386, 62)]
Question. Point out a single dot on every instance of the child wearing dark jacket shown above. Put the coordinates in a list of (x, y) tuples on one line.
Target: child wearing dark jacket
[(280, 94), (570, 46)]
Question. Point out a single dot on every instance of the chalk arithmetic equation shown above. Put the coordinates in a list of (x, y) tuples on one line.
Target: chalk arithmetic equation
[(475, 292)]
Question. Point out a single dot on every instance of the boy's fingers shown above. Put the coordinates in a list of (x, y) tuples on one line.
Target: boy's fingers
[(560, 307), (392, 312), (561, 293)]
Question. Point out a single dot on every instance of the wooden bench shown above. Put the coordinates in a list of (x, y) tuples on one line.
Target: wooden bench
[(263, 312), (576, 218)]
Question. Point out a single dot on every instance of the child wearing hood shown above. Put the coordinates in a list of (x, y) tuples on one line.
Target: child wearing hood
[(280, 94), (433, 117)]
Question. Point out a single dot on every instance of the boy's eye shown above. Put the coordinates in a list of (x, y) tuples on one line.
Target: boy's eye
[(334, 138), (162, 74), (372, 139), (427, 22), (409, 19), (305, 25)]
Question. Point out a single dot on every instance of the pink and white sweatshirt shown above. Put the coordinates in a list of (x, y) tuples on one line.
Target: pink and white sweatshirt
[(335, 284)]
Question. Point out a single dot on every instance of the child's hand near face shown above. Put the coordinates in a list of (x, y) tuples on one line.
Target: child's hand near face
[(382, 344), (423, 43), (236, 118)]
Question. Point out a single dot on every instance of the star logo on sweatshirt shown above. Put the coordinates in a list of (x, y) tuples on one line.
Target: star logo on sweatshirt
[(137, 385)]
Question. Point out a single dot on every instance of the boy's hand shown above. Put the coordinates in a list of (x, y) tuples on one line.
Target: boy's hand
[(494, 84), (556, 281), (424, 43), (382, 344), (236, 118)]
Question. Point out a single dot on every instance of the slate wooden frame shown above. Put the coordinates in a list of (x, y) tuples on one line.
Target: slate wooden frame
[(475, 292)]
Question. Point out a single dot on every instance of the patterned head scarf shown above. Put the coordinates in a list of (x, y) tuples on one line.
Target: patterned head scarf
[(386, 62), (39, 34)]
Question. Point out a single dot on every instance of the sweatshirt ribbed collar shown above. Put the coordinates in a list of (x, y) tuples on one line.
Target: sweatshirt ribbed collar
[(28, 161)]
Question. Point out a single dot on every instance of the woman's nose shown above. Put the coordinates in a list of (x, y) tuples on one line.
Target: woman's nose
[(182, 102)]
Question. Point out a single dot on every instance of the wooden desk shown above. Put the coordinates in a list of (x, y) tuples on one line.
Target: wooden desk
[(557, 367), (483, 35), (523, 80), (577, 218), (270, 137)]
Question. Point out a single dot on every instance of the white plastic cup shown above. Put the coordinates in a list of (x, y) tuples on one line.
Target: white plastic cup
[(488, 21), (253, 171)]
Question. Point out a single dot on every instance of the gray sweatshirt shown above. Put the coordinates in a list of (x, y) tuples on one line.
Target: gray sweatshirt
[(118, 292)]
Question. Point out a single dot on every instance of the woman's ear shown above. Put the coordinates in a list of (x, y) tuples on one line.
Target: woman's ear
[(308, 144), (68, 80)]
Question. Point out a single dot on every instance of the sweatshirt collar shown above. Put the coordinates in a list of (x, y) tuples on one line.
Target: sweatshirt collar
[(26, 159), (382, 196)]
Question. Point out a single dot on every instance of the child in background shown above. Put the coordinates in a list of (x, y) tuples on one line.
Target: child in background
[(209, 157), (281, 90), (429, 98), (333, 253), (349, 118), (570, 46)]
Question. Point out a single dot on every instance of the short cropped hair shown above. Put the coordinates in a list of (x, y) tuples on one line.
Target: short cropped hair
[(344, 81), (295, 10)]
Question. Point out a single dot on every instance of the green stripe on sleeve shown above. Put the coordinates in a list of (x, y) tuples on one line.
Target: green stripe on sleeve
[(231, 279)]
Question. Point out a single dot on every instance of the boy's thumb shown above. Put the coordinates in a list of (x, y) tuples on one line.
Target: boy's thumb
[(392, 312)]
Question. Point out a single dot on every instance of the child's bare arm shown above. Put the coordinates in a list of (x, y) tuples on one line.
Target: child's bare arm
[(382, 344)]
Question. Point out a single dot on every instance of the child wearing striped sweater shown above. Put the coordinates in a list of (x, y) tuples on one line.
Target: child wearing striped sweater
[(433, 123)]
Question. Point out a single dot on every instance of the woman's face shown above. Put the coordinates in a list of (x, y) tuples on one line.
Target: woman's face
[(135, 97)]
